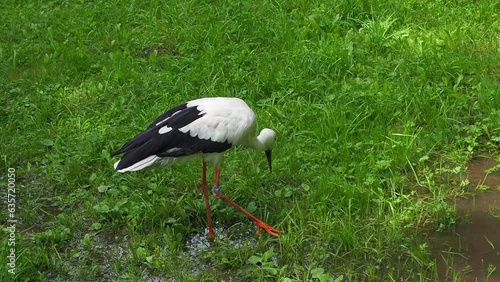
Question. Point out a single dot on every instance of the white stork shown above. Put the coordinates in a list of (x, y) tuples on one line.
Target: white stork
[(206, 127)]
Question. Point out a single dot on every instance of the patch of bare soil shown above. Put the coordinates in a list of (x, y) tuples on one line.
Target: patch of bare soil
[(474, 245), (160, 51)]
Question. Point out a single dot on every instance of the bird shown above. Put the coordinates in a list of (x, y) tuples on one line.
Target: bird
[(205, 127)]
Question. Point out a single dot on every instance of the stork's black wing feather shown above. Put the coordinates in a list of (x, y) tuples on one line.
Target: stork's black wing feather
[(173, 143), (171, 116), (168, 114)]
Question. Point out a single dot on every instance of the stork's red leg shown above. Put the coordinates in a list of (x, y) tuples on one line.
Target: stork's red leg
[(204, 187), (260, 224)]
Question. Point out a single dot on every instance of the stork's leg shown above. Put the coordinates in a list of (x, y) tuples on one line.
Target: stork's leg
[(204, 187), (260, 224)]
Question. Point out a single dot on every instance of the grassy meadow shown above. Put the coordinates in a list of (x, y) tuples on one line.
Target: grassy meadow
[(378, 106)]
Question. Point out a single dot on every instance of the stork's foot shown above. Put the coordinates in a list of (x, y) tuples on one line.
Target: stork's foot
[(269, 229), (260, 224), (211, 235)]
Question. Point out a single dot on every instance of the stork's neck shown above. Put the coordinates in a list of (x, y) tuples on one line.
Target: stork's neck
[(264, 141)]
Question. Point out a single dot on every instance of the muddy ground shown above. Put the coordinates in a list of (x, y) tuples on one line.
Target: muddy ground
[(474, 245)]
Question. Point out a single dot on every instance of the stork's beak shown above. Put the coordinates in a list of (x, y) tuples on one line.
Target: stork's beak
[(269, 160)]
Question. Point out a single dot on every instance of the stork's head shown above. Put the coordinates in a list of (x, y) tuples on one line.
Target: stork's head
[(267, 137)]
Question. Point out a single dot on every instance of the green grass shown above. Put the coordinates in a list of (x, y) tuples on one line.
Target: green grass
[(371, 101)]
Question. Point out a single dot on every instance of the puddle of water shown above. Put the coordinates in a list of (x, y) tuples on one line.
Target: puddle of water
[(198, 244), (474, 245)]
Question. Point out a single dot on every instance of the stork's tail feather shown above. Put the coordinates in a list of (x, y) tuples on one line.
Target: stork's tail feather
[(122, 167)]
